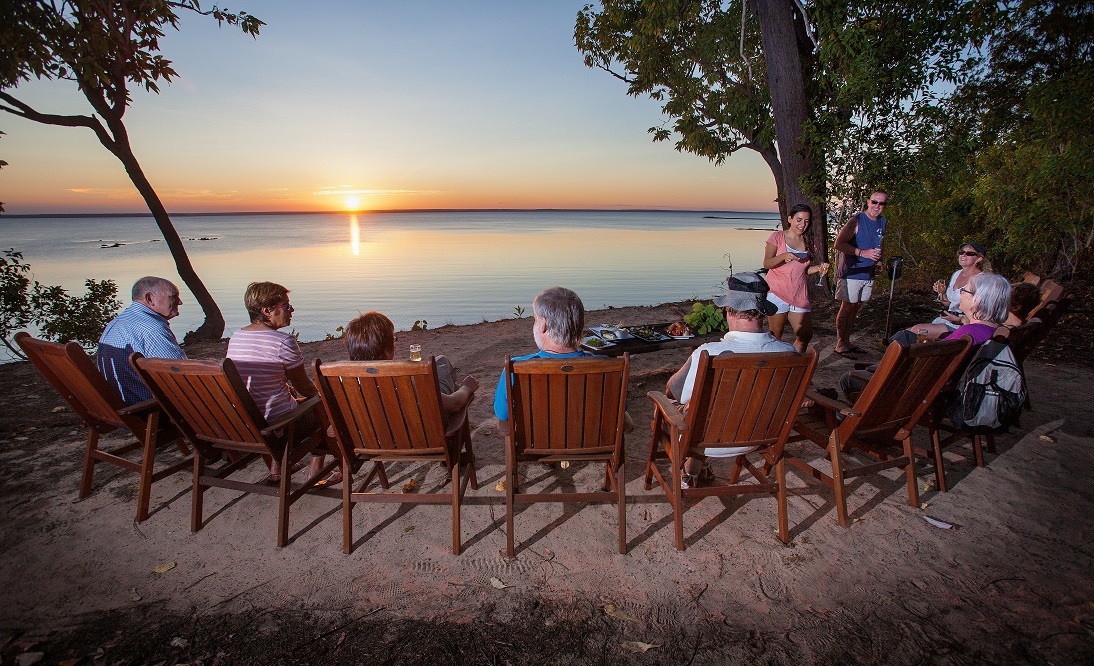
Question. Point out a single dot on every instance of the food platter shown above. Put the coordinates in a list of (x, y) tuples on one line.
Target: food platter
[(595, 343), (610, 333), (678, 331), (648, 334)]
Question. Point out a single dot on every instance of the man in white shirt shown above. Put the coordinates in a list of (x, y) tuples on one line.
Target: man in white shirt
[(746, 306)]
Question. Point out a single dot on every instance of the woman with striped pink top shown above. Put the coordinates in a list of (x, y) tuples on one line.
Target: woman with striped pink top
[(270, 362)]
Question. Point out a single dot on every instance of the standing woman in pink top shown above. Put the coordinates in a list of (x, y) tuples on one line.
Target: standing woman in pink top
[(270, 362), (786, 259)]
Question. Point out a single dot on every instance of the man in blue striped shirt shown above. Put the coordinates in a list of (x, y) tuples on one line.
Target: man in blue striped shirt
[(141, 327)]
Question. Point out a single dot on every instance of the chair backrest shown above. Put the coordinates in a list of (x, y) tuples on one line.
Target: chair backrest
[(1032, 278), (1051, 292), (903, 387), (383, 407), (207, 400), (1021, 339), (73, 374), (567, 405), (748, 399)]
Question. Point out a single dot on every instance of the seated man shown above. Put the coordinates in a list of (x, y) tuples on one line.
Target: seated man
[(745, 305), (141, 327), (371, 337), (558, 318)]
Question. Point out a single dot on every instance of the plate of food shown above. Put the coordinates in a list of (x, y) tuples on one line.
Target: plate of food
[(648, 334), (678, 330), (594, 343), (610, 333)]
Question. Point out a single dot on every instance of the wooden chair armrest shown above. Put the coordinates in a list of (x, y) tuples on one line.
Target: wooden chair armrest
[(140, 407), (669, 409), (297, 412), (831, 404)]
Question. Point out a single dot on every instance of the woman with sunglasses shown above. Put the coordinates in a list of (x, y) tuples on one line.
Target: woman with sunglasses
[(270, 362), (972, 259)]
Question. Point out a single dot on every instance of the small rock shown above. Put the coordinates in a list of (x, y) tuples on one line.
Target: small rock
[(28, 658)]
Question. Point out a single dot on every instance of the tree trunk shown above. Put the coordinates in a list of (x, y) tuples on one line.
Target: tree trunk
[(790, 108), (213, 326)]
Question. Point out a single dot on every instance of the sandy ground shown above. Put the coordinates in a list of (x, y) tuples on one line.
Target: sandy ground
[(1012, 583)]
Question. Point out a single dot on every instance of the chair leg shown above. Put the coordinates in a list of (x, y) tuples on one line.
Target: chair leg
[(653, 451), (510, 482), (977, 450), (454, 474), (347, 508), (837, 480), (991, 443), (607, 484), (148, 460), (474, 481), (197, 494), (939, 469), (621, 500), (89, 462), (909, 472), (738, 465), (784, 522), (283, 493), (676, 497)]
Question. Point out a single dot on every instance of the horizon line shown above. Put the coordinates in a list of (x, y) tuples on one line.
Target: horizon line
[(395, 210)]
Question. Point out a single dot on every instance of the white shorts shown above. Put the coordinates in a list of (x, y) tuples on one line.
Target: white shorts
[(854, 291), (783, 306)]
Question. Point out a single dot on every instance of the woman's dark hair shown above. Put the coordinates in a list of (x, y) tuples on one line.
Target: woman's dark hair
[(800, 208), (1024, 296), (370, 337)]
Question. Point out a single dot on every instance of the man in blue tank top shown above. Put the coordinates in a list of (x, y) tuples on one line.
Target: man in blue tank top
[(860, 243)]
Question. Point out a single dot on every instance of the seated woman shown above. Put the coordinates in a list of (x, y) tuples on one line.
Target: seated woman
[(972, 257), (371, 337), (984, 302), (270, 361)]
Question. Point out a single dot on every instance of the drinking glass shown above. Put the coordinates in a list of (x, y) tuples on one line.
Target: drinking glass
[(415, 352)]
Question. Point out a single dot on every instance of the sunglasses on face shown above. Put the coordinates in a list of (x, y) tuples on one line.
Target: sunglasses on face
[(878, 203), (968, 253), (284, 306)]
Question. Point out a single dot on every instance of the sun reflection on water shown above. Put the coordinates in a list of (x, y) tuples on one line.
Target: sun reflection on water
[(354, 236)]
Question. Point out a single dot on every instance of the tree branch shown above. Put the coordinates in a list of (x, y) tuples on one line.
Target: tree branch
[(23, 110)]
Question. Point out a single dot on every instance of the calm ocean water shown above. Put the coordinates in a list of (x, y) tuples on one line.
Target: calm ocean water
[(444, 267)]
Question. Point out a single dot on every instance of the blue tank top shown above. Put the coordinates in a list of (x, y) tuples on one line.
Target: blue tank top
[(868, 234)]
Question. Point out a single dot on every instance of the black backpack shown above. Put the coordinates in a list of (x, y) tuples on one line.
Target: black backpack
[(992, 391)]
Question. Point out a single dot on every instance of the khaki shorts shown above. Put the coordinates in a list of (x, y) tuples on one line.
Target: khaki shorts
[(854, 291)]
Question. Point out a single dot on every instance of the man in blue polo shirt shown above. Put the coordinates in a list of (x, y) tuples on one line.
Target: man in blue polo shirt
[(141, 327), (558, 318)]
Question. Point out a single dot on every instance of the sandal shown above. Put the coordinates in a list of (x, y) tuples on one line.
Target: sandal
[(334, 479)]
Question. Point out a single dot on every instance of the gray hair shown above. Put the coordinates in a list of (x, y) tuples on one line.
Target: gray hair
[(991, 297), (564, 314), (149, 284)]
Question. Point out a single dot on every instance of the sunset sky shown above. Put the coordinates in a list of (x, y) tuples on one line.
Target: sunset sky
[(416, 104)]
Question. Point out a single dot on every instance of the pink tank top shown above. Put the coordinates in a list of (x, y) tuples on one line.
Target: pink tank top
[(787, 281)]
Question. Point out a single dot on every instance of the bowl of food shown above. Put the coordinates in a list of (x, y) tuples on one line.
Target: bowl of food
[(610, 333)]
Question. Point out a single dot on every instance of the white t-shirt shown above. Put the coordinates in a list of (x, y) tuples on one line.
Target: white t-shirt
[(736, 342), (263, 358)]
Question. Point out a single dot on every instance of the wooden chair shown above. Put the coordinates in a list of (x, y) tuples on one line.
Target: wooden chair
[(894, 400), (569, 409), (1032, 278), (390, 411), (73, 374), (209, 402), (742, 404)]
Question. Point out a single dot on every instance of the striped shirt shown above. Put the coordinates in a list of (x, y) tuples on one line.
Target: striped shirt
[(263, 358), (138, 328)]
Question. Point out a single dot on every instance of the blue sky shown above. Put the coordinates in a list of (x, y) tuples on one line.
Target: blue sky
[(399, 105)]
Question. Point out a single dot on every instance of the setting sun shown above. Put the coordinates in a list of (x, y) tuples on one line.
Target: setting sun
[(353, 203)]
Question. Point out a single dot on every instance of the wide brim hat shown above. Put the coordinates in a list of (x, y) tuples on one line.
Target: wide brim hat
[(746, 291)]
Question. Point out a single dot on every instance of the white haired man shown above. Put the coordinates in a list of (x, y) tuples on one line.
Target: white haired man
[(141, 327)]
